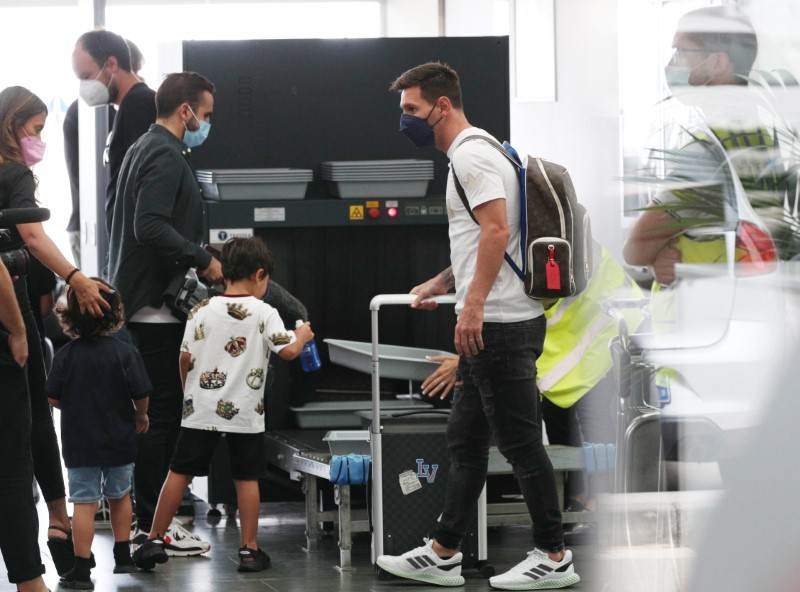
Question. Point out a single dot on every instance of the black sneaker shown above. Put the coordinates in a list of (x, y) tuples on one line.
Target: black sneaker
[(71, 581), (251, 561), (126, 567), (149, 554)]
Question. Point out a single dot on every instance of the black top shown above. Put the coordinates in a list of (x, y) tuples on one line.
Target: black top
[(157, 223), (72, 156), (17, 190), (136, 114), (95, 381)]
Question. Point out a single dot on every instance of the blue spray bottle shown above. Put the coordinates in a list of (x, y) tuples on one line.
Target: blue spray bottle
[(309, 358)]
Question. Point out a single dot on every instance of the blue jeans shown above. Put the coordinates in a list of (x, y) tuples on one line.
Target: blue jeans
[(91, 484), (499, 396)]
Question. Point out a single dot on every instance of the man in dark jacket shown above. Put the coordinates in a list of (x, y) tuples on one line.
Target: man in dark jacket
[(155, 235)]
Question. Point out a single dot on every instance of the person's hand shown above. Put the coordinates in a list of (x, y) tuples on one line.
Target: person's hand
[(664, 264), (469, 330), (142, 423), (89, 294), (213, 273), (424, 292), (443, 379), (304, 333), (18, 344)]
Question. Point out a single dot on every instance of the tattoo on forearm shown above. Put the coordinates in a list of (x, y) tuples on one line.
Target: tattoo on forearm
[(448, 278)]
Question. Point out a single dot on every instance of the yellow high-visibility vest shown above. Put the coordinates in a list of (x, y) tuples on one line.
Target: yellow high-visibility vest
[(576, 353)]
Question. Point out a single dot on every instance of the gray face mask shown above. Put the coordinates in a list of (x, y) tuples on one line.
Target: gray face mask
[(678, 76)]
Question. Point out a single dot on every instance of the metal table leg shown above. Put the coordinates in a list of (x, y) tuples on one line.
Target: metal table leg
[(345, 527), (313, 532)]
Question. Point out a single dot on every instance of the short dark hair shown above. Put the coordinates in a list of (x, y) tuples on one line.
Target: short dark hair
[(179, 88), (434, 79), (83, 324), (726, 30), (137, 59), (242, 257), (102, 44)]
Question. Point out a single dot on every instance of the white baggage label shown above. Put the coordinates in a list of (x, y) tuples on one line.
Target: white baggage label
[(409, 482)]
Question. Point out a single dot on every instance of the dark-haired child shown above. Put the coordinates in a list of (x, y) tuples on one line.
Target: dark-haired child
[(224, 361), (101, 387)]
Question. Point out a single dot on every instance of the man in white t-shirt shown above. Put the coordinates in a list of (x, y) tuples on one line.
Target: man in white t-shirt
[(223, 364), (499, 335)]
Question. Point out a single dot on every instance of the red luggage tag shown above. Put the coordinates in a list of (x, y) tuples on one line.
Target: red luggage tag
[(553, 269)]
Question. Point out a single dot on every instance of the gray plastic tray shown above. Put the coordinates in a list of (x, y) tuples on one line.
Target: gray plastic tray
[(395, 189), (254, 191), (342, 414), (348, 441), (404, 363)]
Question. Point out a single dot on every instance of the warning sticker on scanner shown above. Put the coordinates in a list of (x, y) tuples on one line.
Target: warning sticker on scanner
[(409, 482)]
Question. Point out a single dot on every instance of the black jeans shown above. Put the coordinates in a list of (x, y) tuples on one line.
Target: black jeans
[(19, 523), (499, 396), (159, 345), (44, 444)]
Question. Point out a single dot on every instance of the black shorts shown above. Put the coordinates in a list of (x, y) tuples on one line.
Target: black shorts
[(195, 449)]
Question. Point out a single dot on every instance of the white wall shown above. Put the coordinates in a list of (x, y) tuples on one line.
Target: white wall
[(467, 18), (582, 129), (412, 18)]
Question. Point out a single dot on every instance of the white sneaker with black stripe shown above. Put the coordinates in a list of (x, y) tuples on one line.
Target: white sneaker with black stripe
[(538, 572), (424, 565)]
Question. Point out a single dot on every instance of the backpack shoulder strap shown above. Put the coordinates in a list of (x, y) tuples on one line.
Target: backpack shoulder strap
[(494, 144), (463, 194)]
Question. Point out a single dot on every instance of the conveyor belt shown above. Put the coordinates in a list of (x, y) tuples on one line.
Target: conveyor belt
[(304, 451), (299, 451)]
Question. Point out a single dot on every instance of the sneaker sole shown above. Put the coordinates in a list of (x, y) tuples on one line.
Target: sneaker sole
[(446, 581), (241, 569), (126, 569), (150, 564), (549, 584), (186, 552), (76, 585)]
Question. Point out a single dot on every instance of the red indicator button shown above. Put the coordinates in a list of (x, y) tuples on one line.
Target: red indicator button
[(375, 213), (392, 212)]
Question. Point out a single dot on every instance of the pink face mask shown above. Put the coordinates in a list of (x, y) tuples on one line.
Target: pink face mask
[(32, 149)]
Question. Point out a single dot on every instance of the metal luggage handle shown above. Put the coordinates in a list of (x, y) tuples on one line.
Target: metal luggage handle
[(375, 306), (407, 299), (375, 429)]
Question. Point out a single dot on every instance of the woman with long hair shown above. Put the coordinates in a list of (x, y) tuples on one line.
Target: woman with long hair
[(22, 119)]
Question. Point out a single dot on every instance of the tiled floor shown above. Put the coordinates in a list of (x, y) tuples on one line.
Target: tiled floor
[(282, 536)]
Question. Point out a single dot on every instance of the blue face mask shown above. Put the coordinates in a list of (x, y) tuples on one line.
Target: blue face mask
[(194, 138), (417, 129)]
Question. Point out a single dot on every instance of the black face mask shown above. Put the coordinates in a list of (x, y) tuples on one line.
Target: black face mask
[(417, 129)]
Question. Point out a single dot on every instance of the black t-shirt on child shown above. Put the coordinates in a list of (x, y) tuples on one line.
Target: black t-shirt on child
[(96, 381)]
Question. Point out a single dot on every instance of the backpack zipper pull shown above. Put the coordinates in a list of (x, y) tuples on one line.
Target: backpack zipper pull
[(552, 269)]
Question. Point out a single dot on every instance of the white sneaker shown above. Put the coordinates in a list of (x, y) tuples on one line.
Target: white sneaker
[(179, 542), (138, 538), (538, 572), (424, 565)]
